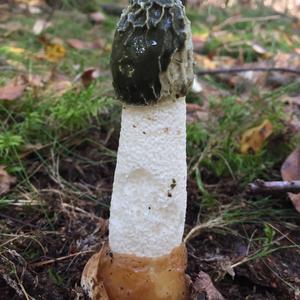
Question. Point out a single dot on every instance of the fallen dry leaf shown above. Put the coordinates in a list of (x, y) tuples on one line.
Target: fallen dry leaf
[(12, 91), (287, 60), (31, 2), (58, 84), (54, 51), (32, 6), (290, 170), (58, 88), (254, 138), (204, 62), (40, 25), (16, 50), (5, 12), (77, 44), (204, 288), (34, 80), (16, 64), (89, 75), (292, 111), (80, 45), (196, 113), (249, 78), (260, 50), (5, 181), (97, 17), (11, 27)]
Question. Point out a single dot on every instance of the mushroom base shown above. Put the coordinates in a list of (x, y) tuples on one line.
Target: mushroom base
[(114, 276)]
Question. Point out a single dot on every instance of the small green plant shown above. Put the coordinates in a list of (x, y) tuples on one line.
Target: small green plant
[(9, 143), (42, 122), (269, 235), (217, 143)]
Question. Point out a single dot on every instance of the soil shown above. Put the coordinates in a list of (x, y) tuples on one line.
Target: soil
[(52, 242)]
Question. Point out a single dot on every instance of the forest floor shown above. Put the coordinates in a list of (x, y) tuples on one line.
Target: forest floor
[(59, 126)]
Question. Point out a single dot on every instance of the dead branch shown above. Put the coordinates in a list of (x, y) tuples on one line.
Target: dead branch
[(271, 187), (253, 69), (239, 19), (54, 260)]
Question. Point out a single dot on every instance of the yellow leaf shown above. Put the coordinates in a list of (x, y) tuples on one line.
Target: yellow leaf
[(254, 138), (204, 62), (54, 52), (31, 2), (16, 50)]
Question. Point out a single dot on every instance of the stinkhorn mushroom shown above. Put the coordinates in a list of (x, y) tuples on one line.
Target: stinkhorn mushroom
[(152, 68)]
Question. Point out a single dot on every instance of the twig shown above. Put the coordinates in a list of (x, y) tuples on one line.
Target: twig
[(239, 19), (54, 260), (262, 187), (253, 69), (217, 222)]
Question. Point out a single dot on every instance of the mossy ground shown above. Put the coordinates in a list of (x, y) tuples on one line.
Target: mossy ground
[(62, 150)]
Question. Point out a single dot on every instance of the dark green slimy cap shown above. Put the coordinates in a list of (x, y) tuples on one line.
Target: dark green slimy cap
[(148, 36)]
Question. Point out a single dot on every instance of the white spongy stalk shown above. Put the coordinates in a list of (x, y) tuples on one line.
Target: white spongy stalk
[(148, 205)]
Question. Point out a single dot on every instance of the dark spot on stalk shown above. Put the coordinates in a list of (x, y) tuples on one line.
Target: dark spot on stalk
[(173, 184)]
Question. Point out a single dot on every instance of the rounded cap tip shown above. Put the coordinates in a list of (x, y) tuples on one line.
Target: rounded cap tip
[(152, 52)]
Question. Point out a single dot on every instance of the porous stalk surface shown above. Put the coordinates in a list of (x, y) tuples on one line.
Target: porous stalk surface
[(149, 192)]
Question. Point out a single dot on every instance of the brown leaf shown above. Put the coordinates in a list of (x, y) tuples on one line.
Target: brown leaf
[(195, 113), (204, 286), (77, 44), (97, 17), (80, 45), (12, 91), (5, 11), (57, 84), (59, 88), (12, 27), (204, 62), (290, 170), (192, 107), (35, 80), (99, 44), (287, 60), (5, 181), (89, 75)]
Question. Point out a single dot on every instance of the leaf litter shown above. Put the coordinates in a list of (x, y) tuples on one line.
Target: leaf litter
[(72, 225), (6, 181)]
